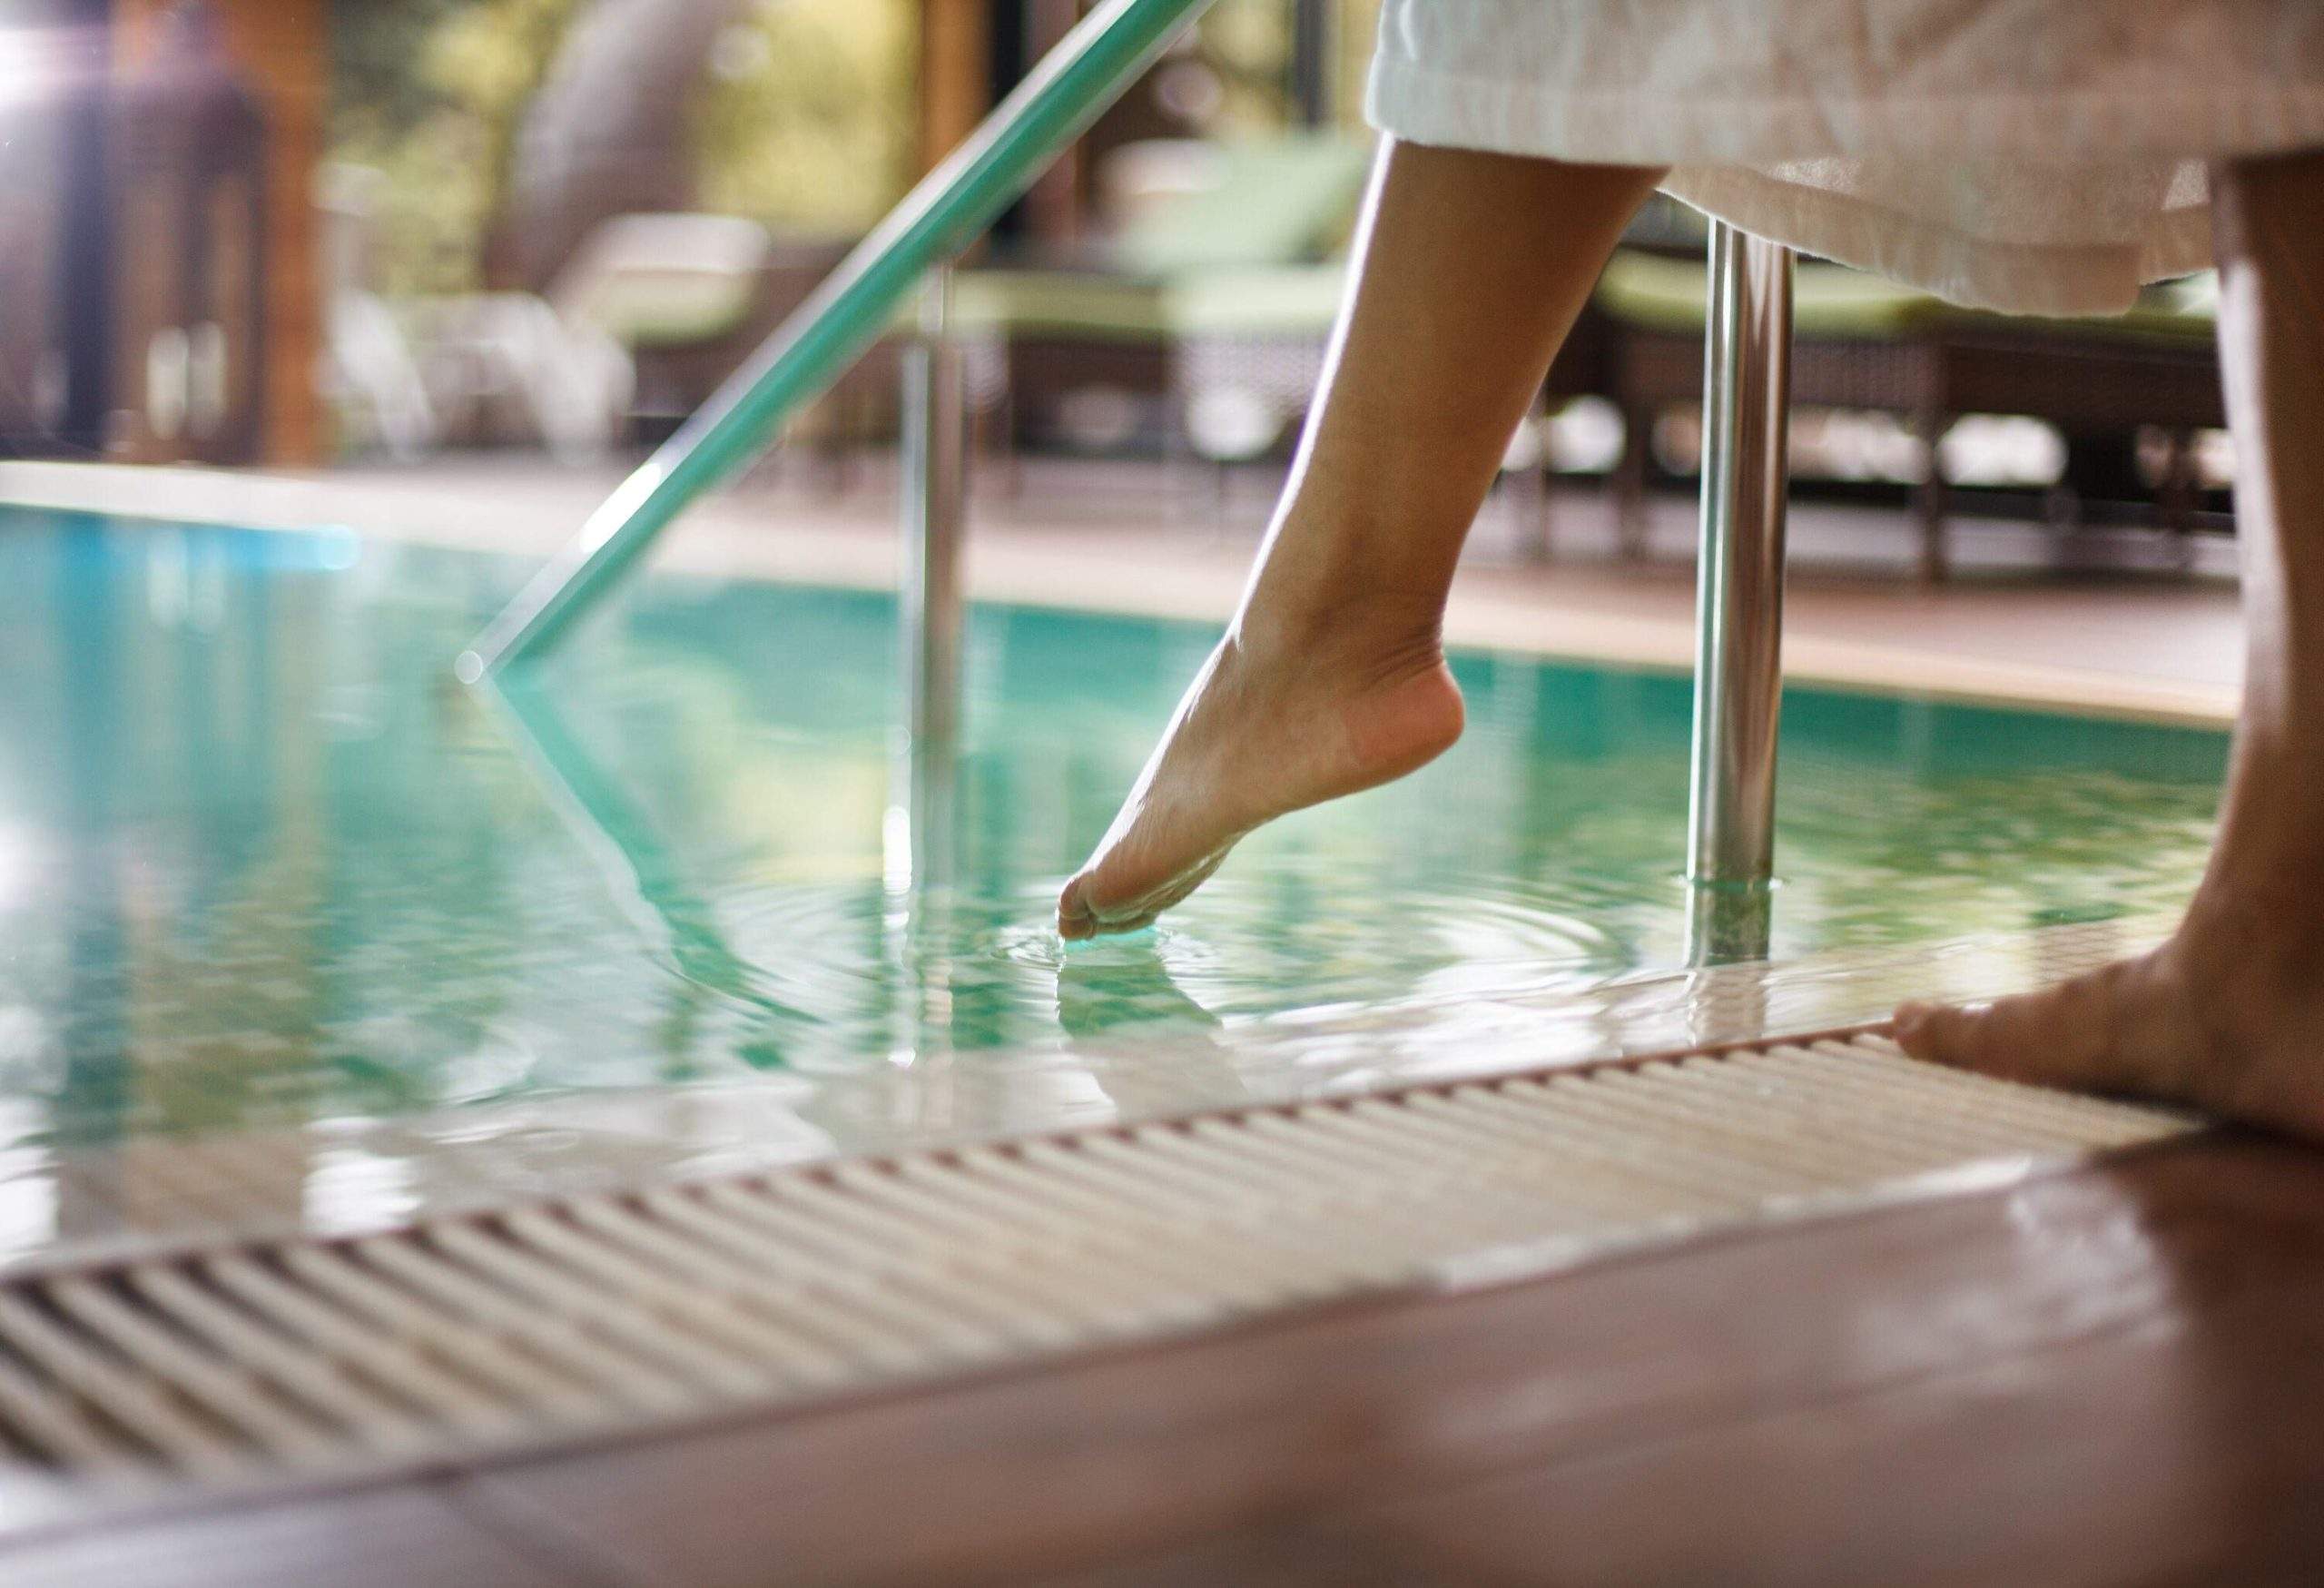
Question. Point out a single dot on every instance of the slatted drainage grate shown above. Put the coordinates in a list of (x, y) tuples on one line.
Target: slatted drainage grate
[(491, 1333)]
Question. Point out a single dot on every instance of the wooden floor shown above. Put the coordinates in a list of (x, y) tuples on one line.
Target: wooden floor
[(2112, 1375)]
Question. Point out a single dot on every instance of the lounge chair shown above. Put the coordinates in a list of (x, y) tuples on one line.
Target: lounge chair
[(1863, 342), (1213, 298)]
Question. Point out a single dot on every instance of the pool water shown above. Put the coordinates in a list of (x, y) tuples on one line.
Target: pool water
[(262, 861)]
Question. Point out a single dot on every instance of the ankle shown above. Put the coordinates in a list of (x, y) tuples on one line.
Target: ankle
[(2235, 929), (1290, 619), (1347, 650), (1345, 577)]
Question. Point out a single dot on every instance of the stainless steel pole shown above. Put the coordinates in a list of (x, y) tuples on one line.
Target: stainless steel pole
[(933, 454), (1739, 637)]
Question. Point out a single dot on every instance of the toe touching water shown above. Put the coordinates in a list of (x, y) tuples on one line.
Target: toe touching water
[(1268, 727)]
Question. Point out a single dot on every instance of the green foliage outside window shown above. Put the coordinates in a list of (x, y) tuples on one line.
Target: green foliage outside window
[(430, 93), (803, 117)]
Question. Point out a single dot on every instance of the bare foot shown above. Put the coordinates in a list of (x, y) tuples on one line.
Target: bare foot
[(1286, 713), (2227, 1016)]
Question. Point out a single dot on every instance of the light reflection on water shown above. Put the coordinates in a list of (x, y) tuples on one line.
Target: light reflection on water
[(266, 863)]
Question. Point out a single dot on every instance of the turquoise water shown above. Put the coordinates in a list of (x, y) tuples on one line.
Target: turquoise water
[(262, 861)]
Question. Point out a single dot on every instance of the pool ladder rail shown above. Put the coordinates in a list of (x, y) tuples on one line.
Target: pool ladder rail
[(1739, 606)]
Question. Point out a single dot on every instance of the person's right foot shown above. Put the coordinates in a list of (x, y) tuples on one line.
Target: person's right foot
[(1284, 715), (2227, 1015)]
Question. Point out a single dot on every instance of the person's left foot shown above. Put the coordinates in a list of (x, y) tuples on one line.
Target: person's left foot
[(1294, 708)]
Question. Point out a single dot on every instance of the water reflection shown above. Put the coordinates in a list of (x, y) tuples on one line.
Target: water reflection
[(679, 926), (273, 866), (1124, 983)]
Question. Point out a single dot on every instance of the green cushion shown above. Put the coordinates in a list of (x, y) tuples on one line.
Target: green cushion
[(1238, 258), (1278, 201), (1283, 300), (1287, 301), (2187, 307), (1074, 303), (1661, 293)]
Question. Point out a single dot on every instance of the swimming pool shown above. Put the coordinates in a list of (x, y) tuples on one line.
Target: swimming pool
[(263, 865)]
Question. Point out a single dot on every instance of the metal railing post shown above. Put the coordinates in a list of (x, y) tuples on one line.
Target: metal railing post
[(1739, 637), (931, 605)]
